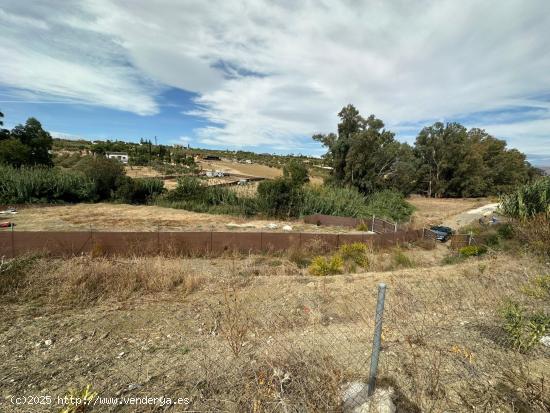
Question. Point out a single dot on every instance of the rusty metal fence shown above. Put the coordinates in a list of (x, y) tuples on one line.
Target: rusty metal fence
[(374, 224), (15, 243)]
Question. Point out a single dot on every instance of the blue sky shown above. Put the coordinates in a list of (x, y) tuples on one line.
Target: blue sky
[(266, 75)]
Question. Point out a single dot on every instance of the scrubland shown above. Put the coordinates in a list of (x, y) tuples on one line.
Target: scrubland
[(241, 332)]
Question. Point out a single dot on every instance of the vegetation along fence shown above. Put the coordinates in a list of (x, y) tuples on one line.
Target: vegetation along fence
[(373, 224), (17, 243), (463, 240)]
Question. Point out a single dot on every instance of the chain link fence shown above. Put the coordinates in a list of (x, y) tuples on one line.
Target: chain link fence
[(244, 340)]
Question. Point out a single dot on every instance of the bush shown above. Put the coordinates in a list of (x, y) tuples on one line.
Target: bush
[(524, 331), (538, 288), (452, 259), (296, 172), (193, 195), (472, 251), (43, 185), (138, 190), (528, 200), (106, 174), (401, 260), (389, 204), (280, 198), (355, 253), (322, 266), (505, 231), (534, 233), (330, 200)]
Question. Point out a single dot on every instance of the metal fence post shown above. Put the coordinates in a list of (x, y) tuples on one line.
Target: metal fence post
[(12, 241), (377, 338)]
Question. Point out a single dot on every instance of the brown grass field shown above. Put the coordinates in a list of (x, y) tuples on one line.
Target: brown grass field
[(432, 211), (124, 217), (257, 333)]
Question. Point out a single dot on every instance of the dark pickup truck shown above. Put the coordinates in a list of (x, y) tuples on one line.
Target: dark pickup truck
[(442, 233)]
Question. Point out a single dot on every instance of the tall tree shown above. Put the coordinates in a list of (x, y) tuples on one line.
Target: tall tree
[(456, 162), (367, 156), (27, 144)]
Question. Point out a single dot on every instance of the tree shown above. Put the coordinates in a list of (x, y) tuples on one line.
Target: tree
[(367, 156), (4, 133), (106, 174), (456, 162), (27, 144), (296, 172)]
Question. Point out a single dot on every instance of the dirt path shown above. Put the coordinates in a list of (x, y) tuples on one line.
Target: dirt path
[(466, 218)]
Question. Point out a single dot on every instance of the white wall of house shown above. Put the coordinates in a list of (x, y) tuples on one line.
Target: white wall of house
[(119, 157)]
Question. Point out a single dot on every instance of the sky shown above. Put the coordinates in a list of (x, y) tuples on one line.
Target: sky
[(266, 75)]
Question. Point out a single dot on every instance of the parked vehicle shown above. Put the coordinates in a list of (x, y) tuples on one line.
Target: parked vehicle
[(442, 233)]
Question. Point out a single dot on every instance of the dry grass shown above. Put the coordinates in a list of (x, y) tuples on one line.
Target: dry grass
[(254, 333), (432, 211), (141, 172), (257, 170), (124, 217)]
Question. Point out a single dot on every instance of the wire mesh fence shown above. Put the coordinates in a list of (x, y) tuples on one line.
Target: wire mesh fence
[(240, 340)]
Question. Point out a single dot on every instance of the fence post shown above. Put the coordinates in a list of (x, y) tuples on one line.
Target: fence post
[(377, 338), (395, 226), (12, 241), (372, 229), (91, 240), (211, 244), (470, 238)]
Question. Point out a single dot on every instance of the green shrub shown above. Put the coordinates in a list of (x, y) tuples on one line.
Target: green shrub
[(472, 250), (43, 185), (296, 172), (492, 240), (331, 200), (193, 195), (106, 174), (505, 231), (523, 330), (400, 259), (322, 266), (389, 204), (538, 287), (528, 200), (453, 259), (534, 235), (138, 190), (280, 198), (355, 253)]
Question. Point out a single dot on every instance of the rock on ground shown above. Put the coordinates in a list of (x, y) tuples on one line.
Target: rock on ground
[(355, 399)]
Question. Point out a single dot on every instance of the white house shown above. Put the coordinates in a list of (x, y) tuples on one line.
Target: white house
[(119, 156)]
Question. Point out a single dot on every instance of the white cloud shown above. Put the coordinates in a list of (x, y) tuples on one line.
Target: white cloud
[(270, 73)]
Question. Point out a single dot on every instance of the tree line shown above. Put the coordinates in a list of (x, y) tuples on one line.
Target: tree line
[(446, 160)]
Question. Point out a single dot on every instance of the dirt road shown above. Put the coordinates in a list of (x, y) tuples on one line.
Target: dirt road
[(466, 218)]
